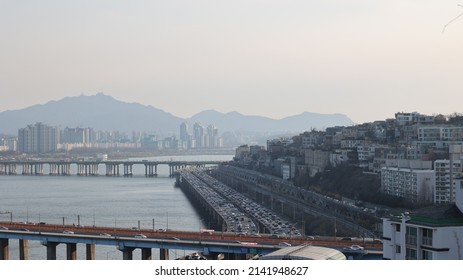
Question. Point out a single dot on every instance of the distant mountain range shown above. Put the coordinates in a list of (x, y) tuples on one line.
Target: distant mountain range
[(103, 112)]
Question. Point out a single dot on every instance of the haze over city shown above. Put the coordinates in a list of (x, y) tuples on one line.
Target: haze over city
[(270, 58), (231, 130)]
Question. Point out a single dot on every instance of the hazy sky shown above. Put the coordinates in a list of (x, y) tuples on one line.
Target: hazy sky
[(364, 58)]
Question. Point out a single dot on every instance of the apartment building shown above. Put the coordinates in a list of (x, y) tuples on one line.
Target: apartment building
[(439, 137), (415, 185), (433, 233), (443, 191), (316, 160), (38, 138), (412, 118)]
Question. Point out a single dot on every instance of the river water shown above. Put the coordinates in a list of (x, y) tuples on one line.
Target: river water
[(101, 201)]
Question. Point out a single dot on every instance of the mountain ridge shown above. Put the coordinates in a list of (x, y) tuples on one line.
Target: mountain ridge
[(103, 112)]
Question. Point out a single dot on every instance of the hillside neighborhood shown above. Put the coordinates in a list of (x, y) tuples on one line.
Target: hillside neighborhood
[(406, 158)]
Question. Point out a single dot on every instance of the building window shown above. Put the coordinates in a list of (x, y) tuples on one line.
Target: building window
[(410, 254), (427, 255), (427, 237), (411, 235), (397, 249), (397, 227)]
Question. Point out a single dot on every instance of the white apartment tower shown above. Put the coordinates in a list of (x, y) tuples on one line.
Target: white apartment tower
[(417, 186)]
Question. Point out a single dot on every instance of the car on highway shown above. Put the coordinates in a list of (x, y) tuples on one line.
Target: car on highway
[(354, 248), (284, 244), (105, 234), (68, 232), (4, 228), (140, 235)]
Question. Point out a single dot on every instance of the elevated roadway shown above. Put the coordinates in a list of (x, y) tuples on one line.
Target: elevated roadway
[(127, 240)]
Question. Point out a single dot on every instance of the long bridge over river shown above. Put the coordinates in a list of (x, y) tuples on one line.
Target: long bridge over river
[(127, 240), (92, 167)]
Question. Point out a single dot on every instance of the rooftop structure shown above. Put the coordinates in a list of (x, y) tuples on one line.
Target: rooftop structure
[(305, 252)]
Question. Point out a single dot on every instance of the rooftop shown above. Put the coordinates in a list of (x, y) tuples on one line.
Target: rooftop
[(305, 252), (441, 216)]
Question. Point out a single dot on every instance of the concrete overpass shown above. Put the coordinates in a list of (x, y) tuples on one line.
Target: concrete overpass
[(128, 240)]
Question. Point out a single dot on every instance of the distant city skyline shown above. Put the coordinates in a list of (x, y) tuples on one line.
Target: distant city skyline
[(365, 59)]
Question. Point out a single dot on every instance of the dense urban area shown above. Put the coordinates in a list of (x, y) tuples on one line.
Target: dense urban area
[(404, 157), (406, 170)]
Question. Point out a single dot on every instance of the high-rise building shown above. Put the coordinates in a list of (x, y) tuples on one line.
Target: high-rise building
[(184, 136), (198, 135), (77, 135), (212, 136), (38, 138), (201, 138)]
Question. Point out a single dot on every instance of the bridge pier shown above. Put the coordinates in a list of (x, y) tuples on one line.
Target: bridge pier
[(90, 251), (38, 169), (164, 254), (93, 169), (54, 169), (127, 253), (146, 254), (128, 169), (23, 249), (4, 252), (51, 250), (65, 169), (112, 169), (11, 169), (80, 169), (26, 169), (151, 170), (71, 251)]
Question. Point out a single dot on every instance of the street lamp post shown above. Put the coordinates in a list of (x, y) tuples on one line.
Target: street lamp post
[(167, 224)]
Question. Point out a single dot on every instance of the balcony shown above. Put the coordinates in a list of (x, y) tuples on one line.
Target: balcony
[(427, 241)]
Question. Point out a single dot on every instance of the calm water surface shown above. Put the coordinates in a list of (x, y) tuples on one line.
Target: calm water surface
[(100, 200)]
